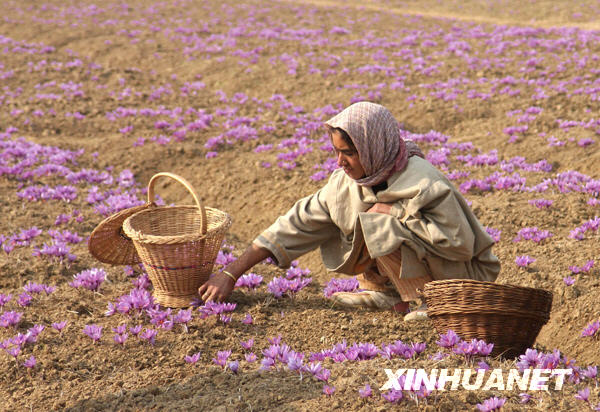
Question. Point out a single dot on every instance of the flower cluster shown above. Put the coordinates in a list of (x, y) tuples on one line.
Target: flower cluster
[(533, 234), (280, 286), (340, 285), (249, 281), (89, 279)]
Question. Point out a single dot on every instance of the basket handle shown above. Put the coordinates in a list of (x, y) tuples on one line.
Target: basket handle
[(190, 189)]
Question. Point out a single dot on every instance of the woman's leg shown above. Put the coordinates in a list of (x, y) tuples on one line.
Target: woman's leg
[(408, 288)]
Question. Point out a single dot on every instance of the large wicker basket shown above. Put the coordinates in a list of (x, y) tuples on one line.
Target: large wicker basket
[(178, 245), (508, 316)]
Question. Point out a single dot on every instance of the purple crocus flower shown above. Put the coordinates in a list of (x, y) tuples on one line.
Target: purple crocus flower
[(568, 280), (135, 330), (30, 363), (10, 318), (248, 319), (531, 358), (222, 357), (24, 299), (340, 285), (393, 396), (193, 358), (524, 261), (120, 339), (483, 365), (591, 329), (59, 326), (247, 344), (365, 392), (525, 397), (4, 299), (323, 375), (90, 279), (93, 331), (491, 404), (14, 351), (591, 372), (583, 394), (328, 390), (448, 339), (233, 366), (250, 281), (250, 357), (148, 335)]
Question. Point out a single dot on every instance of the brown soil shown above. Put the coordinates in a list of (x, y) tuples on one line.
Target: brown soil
[(144, 53)]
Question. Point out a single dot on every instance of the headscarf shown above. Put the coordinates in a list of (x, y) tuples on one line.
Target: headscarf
[(376, 136)]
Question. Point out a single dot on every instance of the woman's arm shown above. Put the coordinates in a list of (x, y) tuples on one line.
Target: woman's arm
[(220, 286)]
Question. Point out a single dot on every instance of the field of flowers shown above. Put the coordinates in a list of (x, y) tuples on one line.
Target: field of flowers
[(96, 97)]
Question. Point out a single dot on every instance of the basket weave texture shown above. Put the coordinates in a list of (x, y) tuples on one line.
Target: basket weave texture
[(177, 245), (109, 244), (508, 316)]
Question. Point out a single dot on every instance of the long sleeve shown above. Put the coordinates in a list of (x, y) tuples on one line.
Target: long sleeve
[(306, 226)]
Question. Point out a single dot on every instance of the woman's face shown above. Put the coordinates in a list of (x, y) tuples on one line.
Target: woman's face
[(347, 156)]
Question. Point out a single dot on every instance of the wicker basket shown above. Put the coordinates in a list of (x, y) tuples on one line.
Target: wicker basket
[(508, 316), (178, 245)]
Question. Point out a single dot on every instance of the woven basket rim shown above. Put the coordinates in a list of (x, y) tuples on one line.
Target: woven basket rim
[(440, 283), (139, 236)]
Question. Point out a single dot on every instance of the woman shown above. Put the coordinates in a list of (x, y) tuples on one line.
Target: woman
[(387, 215)]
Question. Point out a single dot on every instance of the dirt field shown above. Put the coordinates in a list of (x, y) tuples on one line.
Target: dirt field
[(98, 97)]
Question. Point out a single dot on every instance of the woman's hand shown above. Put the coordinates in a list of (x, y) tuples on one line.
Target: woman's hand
[(217, 288), (380, 208)]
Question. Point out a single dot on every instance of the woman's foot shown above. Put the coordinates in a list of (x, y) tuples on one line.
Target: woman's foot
[(419, 313), (371, 299)]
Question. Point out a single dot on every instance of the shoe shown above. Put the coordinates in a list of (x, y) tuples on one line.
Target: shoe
[(367, 298), (418, 314)]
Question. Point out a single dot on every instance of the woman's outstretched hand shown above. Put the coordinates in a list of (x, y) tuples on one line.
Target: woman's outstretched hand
[(380, 208), (217, 288)]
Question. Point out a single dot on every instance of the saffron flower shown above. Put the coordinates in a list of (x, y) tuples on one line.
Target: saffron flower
[(583, 394), (222, 357), (248, 319), (89, 279), (365, 392), (10, 318), (569, 281), (148, 335), (524, 261), (233, 366), (491, 404), (120, 339), (4, 299), (393, 396), (14, 351), (584, 269), (591, 329), (250, 357), (30, 363), (328, 390), (247, 344), (448, 339), (59, 326), (93, 331), (135, 330), (193, 358), (249, 281), (340, 285)]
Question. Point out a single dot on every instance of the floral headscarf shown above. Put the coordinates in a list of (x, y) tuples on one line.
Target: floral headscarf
[(376, 136)]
